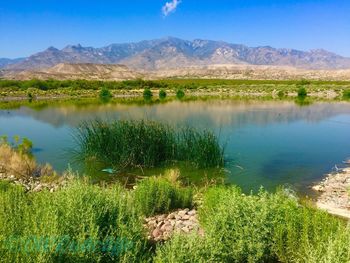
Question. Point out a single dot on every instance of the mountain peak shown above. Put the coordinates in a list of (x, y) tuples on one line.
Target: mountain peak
[(72, 48), (172, 52), (52, 49)]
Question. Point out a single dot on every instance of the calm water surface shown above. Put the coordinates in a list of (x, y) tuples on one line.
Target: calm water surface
[(267, 143)]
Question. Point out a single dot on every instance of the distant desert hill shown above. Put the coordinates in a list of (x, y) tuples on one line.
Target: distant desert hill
[(253, 73), (90, 71), (175, 53)]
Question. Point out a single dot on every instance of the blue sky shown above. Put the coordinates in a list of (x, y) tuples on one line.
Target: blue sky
[(29, 26)]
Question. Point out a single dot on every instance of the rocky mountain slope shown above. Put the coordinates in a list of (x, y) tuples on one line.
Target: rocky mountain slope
[(174, 53), (7, 61)]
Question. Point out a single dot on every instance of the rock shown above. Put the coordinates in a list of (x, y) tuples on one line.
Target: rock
[(182, 213), (186, 217), (12, 178), (167, 227), (156, 233), (318, 188), (179, 224), (152, 223), (38, 188), (159, 225), (185, 229), (192, 212), (171, 216)]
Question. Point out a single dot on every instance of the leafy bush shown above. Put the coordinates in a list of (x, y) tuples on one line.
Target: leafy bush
[(259, 228), (281, 94), (105, 94), (162, 94), (146, 143), (302, 92), (346, 94), (157, 195), (180, 94), (147, 93)]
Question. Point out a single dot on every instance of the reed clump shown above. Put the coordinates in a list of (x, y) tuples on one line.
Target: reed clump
[(127, 144)]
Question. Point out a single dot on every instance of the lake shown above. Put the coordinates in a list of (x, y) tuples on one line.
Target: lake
[(268, 143)]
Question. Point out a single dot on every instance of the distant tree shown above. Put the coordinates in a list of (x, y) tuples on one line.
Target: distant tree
[(346, 94), (162, 94), (302, 92), (281, 94), (180, 94), (147, 93), (105, 94)]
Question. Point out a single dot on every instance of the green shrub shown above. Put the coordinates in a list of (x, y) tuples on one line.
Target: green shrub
[(302, 92), (30, 96), (241, 225), (180, 94), (346, 94), (162, 94), (146, 143), (281, 94), (147, 93), (157, 195), (105, 94), (271, 227)]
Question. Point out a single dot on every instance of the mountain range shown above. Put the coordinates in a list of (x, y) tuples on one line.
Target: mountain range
[(174, 53)]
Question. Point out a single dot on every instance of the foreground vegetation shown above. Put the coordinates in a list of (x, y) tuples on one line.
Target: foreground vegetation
[(125, 144), (90, 223), (84, 222)]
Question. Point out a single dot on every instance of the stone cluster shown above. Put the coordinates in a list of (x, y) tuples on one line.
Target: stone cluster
[(34, 184), (161, 227)]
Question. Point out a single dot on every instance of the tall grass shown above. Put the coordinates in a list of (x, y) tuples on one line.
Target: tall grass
[(147, 143), (82, 223), (157, 195)]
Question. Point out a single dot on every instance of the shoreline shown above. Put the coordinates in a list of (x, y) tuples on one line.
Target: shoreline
[(335, 193)]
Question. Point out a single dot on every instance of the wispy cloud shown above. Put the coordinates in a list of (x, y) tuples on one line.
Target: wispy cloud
[(170, 7)]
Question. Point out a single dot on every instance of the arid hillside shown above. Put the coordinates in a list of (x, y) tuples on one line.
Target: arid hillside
[(89, 71)]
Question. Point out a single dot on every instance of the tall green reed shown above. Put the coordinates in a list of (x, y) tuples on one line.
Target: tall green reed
[(143, 143)]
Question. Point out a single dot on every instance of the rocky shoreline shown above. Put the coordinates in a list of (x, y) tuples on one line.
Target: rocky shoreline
[(162, 227), (35, 184), (335, 193)]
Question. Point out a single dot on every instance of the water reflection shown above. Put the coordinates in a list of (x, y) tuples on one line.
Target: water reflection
[(268, 142)]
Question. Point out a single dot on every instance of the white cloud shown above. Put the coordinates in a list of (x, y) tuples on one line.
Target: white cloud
[(170, 7)]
